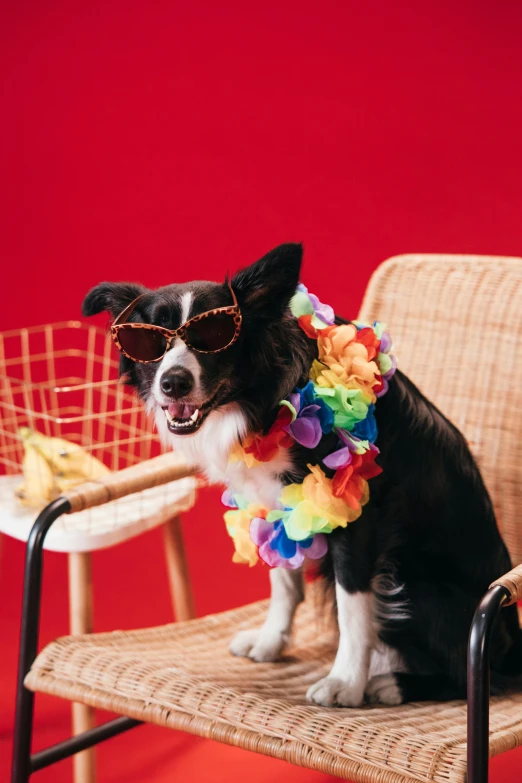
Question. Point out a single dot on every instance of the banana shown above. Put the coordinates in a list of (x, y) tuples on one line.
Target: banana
[(39, 486), (52, 465)]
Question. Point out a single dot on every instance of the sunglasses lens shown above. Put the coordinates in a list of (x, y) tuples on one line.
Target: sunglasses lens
[(212, 333), (143, 345)]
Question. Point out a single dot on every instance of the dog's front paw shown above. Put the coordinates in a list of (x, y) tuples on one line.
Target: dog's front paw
[(259, 644), (383, 689), (333, 692)]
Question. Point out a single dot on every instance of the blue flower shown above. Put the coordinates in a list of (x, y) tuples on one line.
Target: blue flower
[(367, 428), (278, 550), (281, 543)]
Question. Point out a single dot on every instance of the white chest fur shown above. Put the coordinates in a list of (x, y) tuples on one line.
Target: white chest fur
[(210, 448)]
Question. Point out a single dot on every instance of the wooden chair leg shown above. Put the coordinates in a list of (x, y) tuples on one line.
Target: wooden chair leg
[(81, 621), (177, 568)]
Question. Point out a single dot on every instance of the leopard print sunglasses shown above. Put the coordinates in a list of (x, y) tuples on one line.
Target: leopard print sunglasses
[(209, 332)]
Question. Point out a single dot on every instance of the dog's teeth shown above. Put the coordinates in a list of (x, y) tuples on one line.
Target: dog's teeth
[(179, 423)]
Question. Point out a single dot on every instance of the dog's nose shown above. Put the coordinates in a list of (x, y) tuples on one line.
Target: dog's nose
[(177, 382)]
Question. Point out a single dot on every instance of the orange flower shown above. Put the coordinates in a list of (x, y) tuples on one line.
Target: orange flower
[(349, 486), (350, 483), (344, 359), (264, 447), (305, 322), (368, 338)]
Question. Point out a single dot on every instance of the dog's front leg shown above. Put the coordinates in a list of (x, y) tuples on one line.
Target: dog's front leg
[(267, 642), (347, 680)]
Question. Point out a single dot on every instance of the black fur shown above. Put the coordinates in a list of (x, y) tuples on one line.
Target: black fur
[(427, 544), (429, 528)]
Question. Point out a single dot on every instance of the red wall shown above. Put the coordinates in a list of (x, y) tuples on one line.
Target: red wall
[(165, 141)]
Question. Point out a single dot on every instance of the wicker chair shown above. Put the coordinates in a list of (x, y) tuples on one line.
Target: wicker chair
[(456, 321)]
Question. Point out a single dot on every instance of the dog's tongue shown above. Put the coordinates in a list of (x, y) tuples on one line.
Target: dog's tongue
[(180, 410)]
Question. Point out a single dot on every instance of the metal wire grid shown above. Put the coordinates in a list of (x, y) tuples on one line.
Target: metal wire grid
[(61, 381)]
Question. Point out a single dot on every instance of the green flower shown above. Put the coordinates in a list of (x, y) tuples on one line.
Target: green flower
[(349, 405)]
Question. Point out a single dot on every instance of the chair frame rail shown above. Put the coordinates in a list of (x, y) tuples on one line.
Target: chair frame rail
[(24, 763)]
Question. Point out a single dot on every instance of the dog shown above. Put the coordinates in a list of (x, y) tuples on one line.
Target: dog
[(409, 573)]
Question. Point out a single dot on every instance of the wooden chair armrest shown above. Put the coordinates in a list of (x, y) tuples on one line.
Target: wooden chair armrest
[(512, 581), (147, 474)]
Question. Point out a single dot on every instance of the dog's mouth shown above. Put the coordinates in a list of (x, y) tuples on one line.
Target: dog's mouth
[(183, 418)]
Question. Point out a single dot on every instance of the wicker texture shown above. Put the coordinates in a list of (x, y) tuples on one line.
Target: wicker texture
[(455, 322), (182, 676), (152, 473), (448, 316), (512, 582)]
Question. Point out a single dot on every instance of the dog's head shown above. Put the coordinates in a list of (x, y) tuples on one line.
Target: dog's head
[(270, 357)]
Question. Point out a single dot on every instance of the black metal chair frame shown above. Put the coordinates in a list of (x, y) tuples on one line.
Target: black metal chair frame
[(25, 763)]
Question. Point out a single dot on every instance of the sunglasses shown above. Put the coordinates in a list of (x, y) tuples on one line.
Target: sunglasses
[(209, 332)]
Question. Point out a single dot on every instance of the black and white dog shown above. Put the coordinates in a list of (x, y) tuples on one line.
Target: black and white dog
[(411, 570)]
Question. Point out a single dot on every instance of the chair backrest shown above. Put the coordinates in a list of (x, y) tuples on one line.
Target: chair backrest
[(456, 324)]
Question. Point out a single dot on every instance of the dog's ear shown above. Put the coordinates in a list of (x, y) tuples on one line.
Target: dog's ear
[(113, 297), (269, 284)]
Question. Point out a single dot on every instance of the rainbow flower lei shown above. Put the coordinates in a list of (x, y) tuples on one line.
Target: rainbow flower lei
[(352, 371)]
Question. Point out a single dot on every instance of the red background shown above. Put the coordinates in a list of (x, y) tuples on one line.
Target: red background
[(167, 141)]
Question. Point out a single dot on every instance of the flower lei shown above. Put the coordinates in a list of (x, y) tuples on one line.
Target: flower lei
[(352, 371)]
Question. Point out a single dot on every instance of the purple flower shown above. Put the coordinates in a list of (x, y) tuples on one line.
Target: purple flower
[(392, 369), (338, 459), (351, 445), (228, 499), (306, 429), (386, 342), (323, 311), (277, 550), (386, 376), (351, 442), (385, 347), (313, 417)]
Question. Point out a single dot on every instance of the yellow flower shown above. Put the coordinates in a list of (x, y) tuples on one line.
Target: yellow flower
[(344, 361), (315, 509), (318, 489), (238, 528), (238, 454)]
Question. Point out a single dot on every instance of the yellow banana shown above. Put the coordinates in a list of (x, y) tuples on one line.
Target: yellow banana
[(66, 464), (39, 486)]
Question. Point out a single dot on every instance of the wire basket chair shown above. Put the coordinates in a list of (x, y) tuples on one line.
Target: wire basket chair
[(65, 418)]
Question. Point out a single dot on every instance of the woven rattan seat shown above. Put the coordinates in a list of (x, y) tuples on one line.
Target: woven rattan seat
[(182, 676), (456, 322)]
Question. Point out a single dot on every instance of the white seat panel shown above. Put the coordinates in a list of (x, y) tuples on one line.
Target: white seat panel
[(101, 526)]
